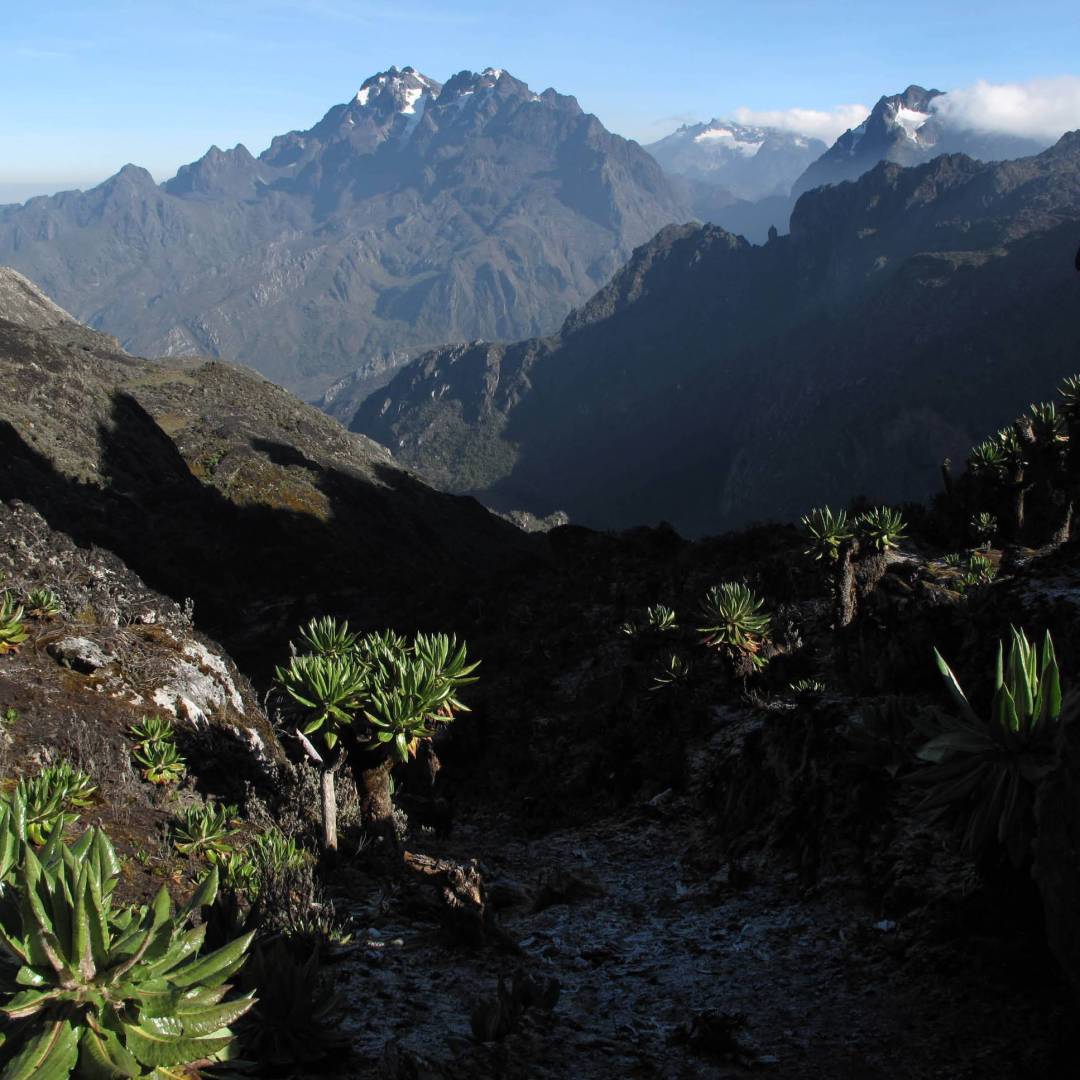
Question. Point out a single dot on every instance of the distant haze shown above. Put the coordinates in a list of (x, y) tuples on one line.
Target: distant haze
[(18, 191)]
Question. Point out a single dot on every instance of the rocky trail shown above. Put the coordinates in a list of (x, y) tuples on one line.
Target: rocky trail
[(663, 971)]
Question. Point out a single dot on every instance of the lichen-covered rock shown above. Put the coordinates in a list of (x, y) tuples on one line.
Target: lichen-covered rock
[(80, 654)]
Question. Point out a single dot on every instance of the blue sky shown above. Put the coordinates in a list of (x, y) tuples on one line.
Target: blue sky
[(87, 86)]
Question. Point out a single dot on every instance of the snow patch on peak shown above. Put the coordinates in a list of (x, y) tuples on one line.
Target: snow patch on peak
[(411, 98), (911, 120), (743, 142), (404, 85), (493, 73)]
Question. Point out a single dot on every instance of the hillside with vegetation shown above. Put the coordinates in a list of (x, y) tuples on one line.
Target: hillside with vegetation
[(308, 765)]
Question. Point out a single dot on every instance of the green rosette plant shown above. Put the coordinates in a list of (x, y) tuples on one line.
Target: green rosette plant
[(101, 991), (985, 769), (12, 631), (733, 621)]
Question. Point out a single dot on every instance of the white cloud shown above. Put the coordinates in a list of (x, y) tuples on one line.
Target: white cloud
[(827, 125), (1039, 109)]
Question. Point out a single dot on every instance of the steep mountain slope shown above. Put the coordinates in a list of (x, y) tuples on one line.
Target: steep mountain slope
[(212, 483), (906, 129), (750, 163), (712, 382), (415, 214)]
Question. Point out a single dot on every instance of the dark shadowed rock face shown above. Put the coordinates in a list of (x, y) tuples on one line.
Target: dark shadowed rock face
[(210, 482), (415, 214), (712, 382)]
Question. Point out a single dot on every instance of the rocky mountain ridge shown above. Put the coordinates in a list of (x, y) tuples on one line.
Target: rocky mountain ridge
[(414, 214), (746, 179), (907, 129), (878, 338), (213, 483)]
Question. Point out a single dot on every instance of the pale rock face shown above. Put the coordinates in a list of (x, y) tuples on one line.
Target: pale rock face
[(198, 686)]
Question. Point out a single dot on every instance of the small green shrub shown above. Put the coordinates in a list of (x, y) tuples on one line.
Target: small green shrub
[(983, 527), (733, 620), (206, 830), (325, 637), (271, 852), (51, 800), (881, 528), (884, 735), (155, 751), (672, 674), (102, 991), (661, 618), (160, 762), (986, 770), (152, 729), (827, 531), (807, 691), (12, 631), (43, 603)]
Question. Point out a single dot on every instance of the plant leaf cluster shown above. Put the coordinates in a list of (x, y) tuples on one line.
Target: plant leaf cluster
[(206, 830), (732, 618), (12, 631), (986, 768), (103, 991), (43, 603), (50, 801), (155, 751), (391, 692)]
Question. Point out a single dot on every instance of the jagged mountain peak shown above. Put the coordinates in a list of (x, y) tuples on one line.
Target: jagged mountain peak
[(907, 129), (396, 91), (466, 83), (906, 116), (410, 214)]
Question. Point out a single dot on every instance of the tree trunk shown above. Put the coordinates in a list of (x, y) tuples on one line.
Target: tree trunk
[(946, 477), (329, 806), (1064, 527), (1012, 520), (372, 772), (844, 583)]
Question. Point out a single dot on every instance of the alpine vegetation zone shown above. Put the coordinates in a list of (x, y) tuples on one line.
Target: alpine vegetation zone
[(733, 732)]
